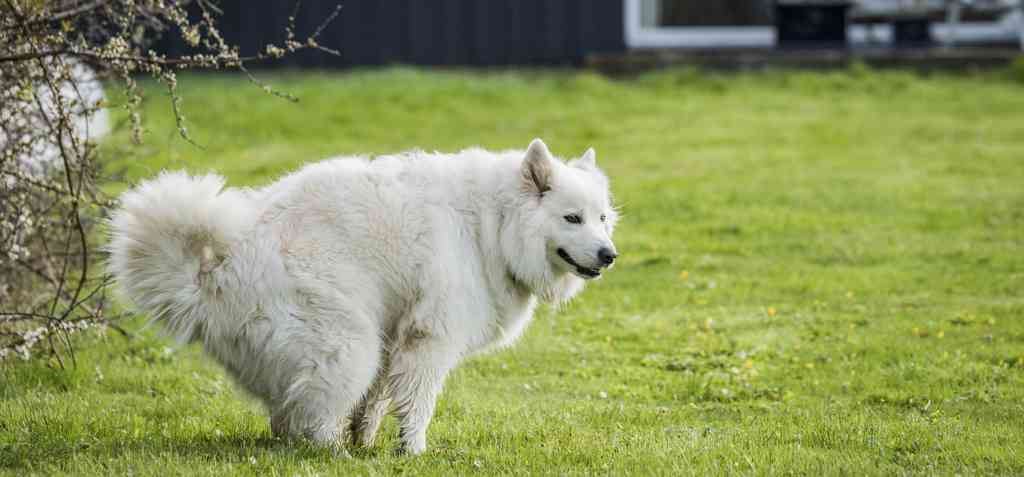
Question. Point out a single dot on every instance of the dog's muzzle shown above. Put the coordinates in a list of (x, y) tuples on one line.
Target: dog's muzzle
[(585, 272)]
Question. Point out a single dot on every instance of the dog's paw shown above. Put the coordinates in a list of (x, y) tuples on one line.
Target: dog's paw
[(364, 440), (338, 450), (413, 447)]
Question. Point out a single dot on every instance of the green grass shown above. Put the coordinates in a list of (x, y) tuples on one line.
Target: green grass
[(821, 273)]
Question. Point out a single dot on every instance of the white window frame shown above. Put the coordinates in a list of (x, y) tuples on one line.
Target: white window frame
[(639, 37)]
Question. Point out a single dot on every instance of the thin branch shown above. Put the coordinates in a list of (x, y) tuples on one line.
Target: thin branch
[(179, 118), (266, 87), (323, 25), (67, 14)]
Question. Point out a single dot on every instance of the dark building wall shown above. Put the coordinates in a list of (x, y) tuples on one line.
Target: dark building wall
[(431, 32)]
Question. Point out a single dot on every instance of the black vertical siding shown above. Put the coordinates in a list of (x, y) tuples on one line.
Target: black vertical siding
[(436, 32)]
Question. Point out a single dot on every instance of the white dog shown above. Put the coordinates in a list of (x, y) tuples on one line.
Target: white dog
[(352, 287)]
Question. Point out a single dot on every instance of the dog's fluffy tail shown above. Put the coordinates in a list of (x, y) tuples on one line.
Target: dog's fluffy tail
[(168, 239)]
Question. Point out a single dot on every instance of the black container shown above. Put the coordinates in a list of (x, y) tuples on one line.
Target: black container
[(911, 32), (811, 24)]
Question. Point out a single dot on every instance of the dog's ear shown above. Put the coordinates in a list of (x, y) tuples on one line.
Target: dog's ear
[(587, 161), (537, 168)]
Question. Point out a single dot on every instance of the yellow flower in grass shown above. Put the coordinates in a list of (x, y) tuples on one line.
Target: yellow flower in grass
[(771, 311), (684, 275)]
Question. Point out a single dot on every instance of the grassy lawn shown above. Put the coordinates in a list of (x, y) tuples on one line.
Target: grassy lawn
[(821, 273)]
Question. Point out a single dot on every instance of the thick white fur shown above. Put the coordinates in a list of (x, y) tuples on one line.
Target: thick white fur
[(352, 287)]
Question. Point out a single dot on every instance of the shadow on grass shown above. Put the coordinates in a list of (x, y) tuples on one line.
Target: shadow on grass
[(225, 448)]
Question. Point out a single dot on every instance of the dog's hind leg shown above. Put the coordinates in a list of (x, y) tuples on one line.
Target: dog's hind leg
[(340, 354)]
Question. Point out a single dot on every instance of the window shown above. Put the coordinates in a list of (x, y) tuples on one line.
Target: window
[(699, 23), (750, 23)]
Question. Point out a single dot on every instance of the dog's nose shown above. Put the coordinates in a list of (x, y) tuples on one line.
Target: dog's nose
[(606, 256)]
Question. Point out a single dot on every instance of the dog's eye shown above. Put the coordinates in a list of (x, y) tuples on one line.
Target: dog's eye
[(603, 217), (573, 219)]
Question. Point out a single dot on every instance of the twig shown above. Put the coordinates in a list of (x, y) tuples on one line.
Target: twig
[(59, 16)]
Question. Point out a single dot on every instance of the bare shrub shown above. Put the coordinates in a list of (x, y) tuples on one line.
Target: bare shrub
[(52, 110)]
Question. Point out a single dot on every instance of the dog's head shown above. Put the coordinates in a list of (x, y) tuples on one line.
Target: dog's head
[(569, 216)]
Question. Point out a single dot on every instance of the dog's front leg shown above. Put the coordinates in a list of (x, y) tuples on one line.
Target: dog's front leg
[(418, 370), (370, 413)]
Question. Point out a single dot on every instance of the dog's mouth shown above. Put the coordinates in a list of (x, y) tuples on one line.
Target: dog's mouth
[(580, 269)]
